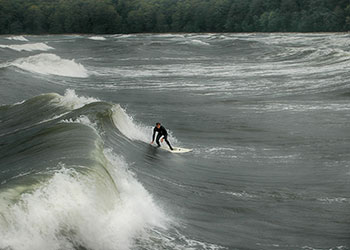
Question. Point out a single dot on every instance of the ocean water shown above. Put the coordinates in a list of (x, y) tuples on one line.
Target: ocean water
[(267, 116)]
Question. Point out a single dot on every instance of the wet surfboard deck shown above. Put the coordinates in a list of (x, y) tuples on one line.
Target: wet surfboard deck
[(176, 150)]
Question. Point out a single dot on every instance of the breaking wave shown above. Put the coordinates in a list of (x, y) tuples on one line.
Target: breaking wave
[(79, 192), (18, 38), (28, 47), (197, 42), (51, 64), (97, 38)]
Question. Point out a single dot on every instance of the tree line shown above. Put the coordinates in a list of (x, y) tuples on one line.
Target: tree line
[(135, 16)]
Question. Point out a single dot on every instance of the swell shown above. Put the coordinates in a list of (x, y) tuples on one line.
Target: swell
[(58, 176)]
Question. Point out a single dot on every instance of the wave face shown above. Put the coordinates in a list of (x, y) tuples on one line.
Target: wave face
[(28, 47), (58, 179), (51, 64)]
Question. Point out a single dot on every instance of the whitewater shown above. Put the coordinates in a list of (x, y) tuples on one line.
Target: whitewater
[(267, 116)]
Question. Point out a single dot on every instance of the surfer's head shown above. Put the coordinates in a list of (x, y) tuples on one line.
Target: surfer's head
[(158, 124)]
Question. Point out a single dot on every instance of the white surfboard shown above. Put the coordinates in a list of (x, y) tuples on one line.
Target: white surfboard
[(176, 150)]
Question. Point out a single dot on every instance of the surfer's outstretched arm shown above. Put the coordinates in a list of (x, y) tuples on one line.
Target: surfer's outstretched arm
[(154, 134)]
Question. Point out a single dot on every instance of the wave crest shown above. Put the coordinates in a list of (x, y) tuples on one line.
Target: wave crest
[(51, 64), (72, 101), (97, 38), (18, 38), (28, 47)]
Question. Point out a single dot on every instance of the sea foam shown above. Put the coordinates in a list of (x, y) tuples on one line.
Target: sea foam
[(97, 38), (51, 64), (27, 47), (72, 101), (197, 42), (72, 210), (18, 38)]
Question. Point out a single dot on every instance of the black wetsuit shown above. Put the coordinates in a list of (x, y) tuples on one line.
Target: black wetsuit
[(161, 132)]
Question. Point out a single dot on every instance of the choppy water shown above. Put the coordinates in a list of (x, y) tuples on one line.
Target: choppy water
[(266, 114)]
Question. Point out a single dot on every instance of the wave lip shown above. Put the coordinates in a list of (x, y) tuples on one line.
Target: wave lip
[(133, 130), (128, 127), (51, 64), (28, 47)]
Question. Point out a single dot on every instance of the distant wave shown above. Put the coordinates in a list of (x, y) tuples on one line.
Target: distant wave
[(51, 64), (97, 38), (28, 47), (18, 38), (197, 42), (124, 36)]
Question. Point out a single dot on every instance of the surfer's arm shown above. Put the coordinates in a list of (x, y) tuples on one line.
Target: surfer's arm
[(154, 134)]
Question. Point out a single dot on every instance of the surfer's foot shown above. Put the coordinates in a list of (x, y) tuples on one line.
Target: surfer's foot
[(171, 149)]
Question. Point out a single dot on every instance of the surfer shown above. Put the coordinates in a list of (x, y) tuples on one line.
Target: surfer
[(161, 132)]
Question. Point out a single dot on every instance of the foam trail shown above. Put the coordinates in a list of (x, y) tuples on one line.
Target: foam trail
[(97, 38), (51, 64), (28, 47), (18, 38)]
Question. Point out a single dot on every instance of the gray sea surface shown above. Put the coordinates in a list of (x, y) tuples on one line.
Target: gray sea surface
[(267, 117)]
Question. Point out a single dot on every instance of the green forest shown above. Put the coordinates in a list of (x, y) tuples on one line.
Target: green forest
[(135, 16)]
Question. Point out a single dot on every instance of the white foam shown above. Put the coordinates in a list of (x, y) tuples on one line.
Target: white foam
[(18, 38), (83, 119), (28, 47), (334, 200), (97, 38), (124, 36), (304, 107), (51, 64), (72, 210), (197, 42), (178, 241), (223, 152), (72, 101), (239, 194)]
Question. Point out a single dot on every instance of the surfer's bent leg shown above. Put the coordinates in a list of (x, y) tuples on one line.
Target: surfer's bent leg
[(157, 139), (166, 140)]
